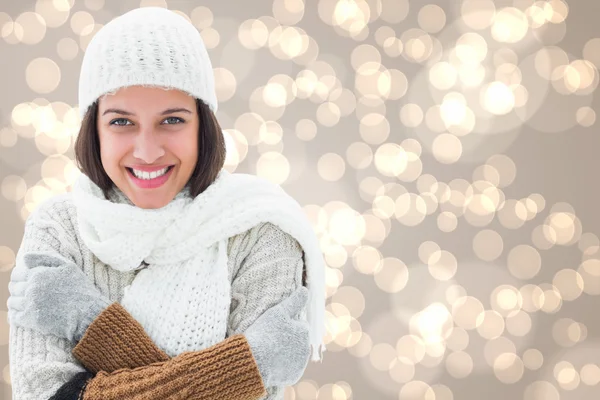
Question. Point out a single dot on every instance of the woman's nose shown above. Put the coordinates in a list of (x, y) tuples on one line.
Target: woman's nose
[(148, 147)]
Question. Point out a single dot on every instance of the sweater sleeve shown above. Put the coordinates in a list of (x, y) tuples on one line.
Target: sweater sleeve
[(270, 268), (225, 371), (40, 364)]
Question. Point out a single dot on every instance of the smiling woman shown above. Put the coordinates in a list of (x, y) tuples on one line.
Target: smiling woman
[(161, 275)]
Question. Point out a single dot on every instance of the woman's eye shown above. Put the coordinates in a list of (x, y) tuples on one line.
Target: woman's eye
[(175, 119), (115, 121)]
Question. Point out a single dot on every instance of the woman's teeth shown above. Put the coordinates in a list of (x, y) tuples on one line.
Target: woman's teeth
[(149, 175)]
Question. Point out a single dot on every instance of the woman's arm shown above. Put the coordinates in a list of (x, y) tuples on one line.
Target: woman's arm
[(40, 364), (269, 269), (225, 371)]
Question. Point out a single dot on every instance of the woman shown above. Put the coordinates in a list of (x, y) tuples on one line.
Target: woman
[(162, 274)]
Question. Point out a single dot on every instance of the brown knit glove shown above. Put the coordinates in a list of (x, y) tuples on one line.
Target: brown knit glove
[(225, 371), (116, 340), (131, 366)]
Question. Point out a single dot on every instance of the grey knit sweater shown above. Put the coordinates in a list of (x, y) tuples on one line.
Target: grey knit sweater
[(265, 266)]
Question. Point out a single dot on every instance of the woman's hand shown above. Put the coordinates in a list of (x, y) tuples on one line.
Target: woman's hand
[(279, 341), (52, 295)]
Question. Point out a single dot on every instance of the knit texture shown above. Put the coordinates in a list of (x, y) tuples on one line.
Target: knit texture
[(149, 46), (115, 340), (41, 364), (75, 388), (182, 298), (226, 371)]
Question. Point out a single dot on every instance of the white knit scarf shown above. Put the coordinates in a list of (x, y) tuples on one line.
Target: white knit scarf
[(195, 232)]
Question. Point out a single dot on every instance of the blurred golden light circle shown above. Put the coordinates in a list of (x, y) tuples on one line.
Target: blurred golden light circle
[(508, 368), (273, 166), (471, 49), (569, 283), (82, 22), (506, 300), (585, 116), (94, 5), (402, 370), (533, 359), (367, 260), (566, 375), (54, 12), (67, 49), (382, 355), (418, 45), (447, 148), (383, 33), (524, 262), (153, 3), (447, 221), (252, 33), (211, 37), (478, 14), (445, 266), (541, 390), (88, 33), (518, 323), (42, 75), (459, 364), (328, 114), (331, 167), (591, 51), (364, 55), (236, 146), (288, 12), (359, 155), (429, 252), (490, 324), (431, 18), (590, 374), (590, 273), (496, 348), (498, 98), (411, 115), (458, 339), (390, 159), (7, 259), (8, 137), (13, 188), (411, 209), (565, 227), (394, 11), (306, 129), (374, 128), (443, 75), (392, 275), (33, 28), (225, 84), (510, 25), (488, 245), (466, 311), (505, 167)]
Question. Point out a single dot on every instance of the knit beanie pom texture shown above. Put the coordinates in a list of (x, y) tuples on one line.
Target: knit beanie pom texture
[(149, 46)]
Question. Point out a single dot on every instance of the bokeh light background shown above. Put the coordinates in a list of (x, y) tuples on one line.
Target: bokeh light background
[(445, 152)]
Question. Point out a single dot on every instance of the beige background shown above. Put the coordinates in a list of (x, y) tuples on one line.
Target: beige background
[(445, 152)]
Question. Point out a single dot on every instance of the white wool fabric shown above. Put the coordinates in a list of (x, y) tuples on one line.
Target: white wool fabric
[(185, 242), (149, 46)]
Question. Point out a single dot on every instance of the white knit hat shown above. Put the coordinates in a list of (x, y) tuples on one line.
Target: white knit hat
[(148, 46)]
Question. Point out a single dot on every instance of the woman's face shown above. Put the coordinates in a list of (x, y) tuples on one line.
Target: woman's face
[(148, 142)]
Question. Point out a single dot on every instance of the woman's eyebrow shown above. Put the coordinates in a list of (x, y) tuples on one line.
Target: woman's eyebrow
[(167, 111)]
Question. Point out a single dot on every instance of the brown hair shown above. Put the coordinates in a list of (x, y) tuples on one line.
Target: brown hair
[(211, 150)]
